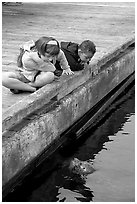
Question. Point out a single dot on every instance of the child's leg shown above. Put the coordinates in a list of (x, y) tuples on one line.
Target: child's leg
[(10, 80), (42, 79)]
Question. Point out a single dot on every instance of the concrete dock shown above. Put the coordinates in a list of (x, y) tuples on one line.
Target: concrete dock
[(31, 122)]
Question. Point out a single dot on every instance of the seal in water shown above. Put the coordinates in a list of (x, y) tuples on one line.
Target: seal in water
[(82, 168)]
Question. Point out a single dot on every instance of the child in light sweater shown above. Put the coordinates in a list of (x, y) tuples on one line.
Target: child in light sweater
[(37, 66)]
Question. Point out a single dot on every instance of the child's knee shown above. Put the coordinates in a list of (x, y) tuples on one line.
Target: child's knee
[(5, 78), (48, 76), (51, 76), (43, 79)]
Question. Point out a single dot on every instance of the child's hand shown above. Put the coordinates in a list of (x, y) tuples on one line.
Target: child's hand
[(68, 71)]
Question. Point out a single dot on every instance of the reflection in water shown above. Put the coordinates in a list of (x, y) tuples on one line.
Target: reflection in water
[(111, 149)]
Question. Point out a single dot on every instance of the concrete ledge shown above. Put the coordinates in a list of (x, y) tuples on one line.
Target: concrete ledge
[(25, 136), (59, 88)]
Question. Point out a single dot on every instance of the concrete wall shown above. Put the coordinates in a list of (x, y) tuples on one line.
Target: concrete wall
[(33, 124)]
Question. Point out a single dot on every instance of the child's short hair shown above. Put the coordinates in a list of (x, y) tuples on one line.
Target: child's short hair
[(47, 45), (87, 46)]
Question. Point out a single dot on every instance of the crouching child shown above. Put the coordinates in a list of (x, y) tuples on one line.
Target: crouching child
[(36, 66), (78, 55)]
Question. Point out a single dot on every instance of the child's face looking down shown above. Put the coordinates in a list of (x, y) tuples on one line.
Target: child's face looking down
[(85, 57), (47, 57)]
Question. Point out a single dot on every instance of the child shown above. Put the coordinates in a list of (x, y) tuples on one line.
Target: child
[(37, 66), (77, 55)]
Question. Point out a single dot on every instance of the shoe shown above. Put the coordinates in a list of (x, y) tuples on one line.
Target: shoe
[(16, 91)]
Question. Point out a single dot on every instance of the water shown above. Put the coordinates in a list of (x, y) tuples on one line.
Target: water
[(111, 149)]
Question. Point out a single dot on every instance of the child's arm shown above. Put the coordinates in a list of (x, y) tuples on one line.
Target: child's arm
[(46, 67), (40, 64), (64, 63)]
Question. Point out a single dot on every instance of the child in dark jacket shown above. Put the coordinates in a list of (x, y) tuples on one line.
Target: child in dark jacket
[(77, 55)]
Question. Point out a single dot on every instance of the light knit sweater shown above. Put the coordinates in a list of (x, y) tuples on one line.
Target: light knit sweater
[(32, 63)]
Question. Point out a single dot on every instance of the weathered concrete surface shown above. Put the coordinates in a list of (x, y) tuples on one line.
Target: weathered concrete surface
[(22, 143), (57, 89)]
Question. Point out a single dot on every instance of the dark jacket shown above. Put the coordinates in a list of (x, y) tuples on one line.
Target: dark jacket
[(71, 52)]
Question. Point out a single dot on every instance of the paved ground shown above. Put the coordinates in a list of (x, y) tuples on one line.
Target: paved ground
[(107, 24)]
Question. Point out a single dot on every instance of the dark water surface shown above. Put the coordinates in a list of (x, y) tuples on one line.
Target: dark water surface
[(111, 149)]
